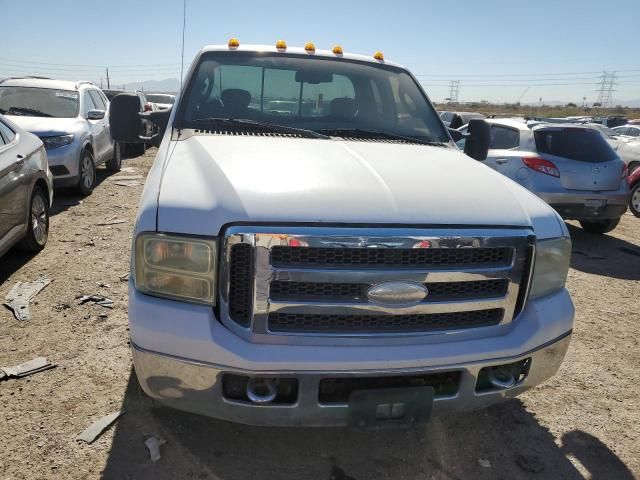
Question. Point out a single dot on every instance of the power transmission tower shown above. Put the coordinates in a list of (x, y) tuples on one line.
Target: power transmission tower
[(454, 90), (605, 92)]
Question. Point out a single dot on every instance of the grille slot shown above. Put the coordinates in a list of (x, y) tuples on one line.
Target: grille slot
[(357, 292), (241, 283), (354, 324), (282, 256)]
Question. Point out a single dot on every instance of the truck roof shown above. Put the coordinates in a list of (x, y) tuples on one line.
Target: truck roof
[(297, 51)]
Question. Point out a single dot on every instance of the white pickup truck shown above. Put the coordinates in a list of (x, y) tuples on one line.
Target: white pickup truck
[(338, 261)]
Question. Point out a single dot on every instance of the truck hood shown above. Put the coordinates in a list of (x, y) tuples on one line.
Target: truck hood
[(44, 126), (213, 180)]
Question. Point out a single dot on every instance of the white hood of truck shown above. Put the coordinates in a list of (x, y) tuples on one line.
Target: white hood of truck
[(213, 180)]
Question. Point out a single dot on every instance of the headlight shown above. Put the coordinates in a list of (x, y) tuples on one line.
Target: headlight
[(551, 266), (57, 141), (181, 268)]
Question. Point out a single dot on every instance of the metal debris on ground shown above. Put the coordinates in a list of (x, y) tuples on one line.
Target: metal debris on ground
[(61, 306), (128, 183), (124, 277), (96, 299), (126, 178), (98, 427), (20, 296), (36, 365), (484, 463), (153, 444), (110, 222), (103, 285)]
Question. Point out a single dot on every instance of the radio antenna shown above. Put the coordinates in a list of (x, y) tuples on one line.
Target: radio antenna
[(184, 23)]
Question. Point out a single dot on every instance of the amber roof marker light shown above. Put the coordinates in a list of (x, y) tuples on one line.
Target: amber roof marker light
[(233, 43), (281, 45), (337, 50), (379, 56), (310, 47)]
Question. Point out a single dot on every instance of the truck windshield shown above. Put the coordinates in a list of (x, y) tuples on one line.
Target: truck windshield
[(38, 102), (336, 97)]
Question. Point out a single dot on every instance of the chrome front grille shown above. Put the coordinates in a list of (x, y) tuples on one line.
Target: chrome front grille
[(312, 284)]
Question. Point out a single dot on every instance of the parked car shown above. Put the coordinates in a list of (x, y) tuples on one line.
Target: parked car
[(571, 167), (628, 148), (71, 119), (162, 100), (627, 130), (458, 119), (147, 127), (351, 266), (26, 189), (634, 185)]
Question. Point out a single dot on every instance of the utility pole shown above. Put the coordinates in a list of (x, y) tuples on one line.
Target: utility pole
[(108, 86), (454, 90), (605, 92)]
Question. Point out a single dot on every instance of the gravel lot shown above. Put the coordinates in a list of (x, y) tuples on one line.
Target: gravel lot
[(584, 423)]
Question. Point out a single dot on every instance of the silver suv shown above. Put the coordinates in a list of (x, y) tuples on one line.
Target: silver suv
[(571, 167), (71, 119)]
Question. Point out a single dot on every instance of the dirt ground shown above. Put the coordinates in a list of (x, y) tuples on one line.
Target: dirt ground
[(584, 423)]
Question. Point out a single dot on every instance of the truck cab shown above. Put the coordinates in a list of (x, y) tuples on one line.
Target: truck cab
[(311, 248)]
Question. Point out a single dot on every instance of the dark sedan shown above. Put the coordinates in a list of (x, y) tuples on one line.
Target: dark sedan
[(25, 189)]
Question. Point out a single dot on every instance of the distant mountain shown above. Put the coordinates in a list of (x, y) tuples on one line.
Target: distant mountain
[(168, 85)]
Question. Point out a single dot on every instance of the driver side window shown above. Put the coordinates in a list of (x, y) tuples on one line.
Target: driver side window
[(88, 103)]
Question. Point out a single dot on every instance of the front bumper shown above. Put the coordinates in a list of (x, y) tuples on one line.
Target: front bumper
[(180, 352), (64, 163), (580, 206), (197, 387)]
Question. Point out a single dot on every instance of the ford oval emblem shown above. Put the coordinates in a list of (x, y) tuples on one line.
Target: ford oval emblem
[(397, 293)]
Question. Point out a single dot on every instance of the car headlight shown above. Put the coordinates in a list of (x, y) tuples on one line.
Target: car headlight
[(57, 141), (176, 267), (551, 266)]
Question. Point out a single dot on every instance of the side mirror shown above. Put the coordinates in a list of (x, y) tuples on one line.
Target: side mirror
[(123, 118), (160, 118), (456, 134), (95, 114), (478, 139)]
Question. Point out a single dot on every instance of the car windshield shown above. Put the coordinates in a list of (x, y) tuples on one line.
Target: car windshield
[(336, 97), (158, 98), (38, 102)]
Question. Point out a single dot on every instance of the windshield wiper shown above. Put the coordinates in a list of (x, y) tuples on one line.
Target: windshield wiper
[(270, 126), (360, 132), (28, 111)]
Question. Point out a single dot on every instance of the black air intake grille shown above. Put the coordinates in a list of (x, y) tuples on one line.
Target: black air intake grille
[(241, 283), (354, 324), (389, 257), (357, 292)]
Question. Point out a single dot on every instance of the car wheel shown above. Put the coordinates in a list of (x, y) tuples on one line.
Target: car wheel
[(115, 163), (87, 177), (38, 228), (634, 201), (599, 226)]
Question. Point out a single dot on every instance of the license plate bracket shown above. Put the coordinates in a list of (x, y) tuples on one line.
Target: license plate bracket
[(390, 407), (595, 203)]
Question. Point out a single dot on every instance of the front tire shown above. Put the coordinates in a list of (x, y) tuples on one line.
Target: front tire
[(115, 164), (87, 174), (599, 226), (634, 201), (38, 228)]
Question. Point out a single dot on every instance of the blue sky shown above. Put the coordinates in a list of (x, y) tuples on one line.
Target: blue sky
[(496, 48)]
